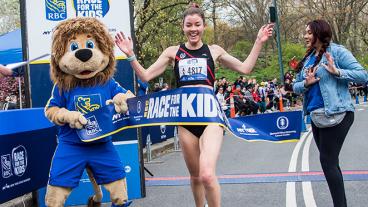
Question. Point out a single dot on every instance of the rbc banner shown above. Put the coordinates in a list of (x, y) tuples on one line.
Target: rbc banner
[(190, 106), (42, 16), (26, 150), (274, 127)]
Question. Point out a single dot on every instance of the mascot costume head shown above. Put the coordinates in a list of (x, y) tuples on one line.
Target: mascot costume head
[(82, 69)]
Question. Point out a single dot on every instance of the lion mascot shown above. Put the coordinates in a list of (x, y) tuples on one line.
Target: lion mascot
[(82, 69)]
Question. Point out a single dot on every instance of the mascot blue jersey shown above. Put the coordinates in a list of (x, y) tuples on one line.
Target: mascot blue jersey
[(84, 100)]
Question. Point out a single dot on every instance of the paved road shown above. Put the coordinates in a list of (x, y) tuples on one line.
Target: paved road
[(266, 174)]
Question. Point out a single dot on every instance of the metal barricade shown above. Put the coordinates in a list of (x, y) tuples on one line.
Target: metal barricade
[(176, 140)]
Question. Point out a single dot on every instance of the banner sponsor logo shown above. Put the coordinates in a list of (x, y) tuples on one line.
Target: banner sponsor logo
[(87, 103), (6, 166), (116, 117), (14, 163), (91, 8), (55, 10), (19, 155), (246, 131), (92, 126), (162, 129), (139, 107), (282, 122)]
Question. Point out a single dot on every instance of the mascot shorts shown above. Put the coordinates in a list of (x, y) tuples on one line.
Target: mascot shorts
[(70, 160)]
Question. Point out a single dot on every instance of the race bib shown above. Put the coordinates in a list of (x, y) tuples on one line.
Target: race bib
[(193, 69)]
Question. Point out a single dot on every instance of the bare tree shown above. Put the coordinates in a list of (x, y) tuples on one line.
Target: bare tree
[(292, 20), (9, 15), (252, 13), (363, 28), (214, 17), (342, 15), (154, 21)]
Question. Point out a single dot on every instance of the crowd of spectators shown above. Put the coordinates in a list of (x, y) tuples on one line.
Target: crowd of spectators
[(249, 95), (9, 92), (252, 97), (357, 89)]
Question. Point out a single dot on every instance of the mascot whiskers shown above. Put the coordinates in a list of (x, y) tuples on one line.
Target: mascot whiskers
[(82, 69)]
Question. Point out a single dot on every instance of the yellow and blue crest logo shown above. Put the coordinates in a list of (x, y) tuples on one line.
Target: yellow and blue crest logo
[(55, 10), (91, 8), (88, 103)]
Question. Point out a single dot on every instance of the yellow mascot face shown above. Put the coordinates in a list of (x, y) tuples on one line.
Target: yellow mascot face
[(82, 53)]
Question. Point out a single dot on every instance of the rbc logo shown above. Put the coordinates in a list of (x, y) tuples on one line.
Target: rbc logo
[(87, 103), (6, 166), (92, 126), (55, 10), (282, 122), (16, 162)]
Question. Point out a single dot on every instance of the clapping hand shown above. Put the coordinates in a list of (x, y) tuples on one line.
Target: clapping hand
[(125, 44), (310, 76), (330, 67), (265, 32)]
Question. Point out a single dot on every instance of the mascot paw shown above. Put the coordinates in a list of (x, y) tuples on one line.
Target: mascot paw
[(75, 119), (120, 101), (92, 203)]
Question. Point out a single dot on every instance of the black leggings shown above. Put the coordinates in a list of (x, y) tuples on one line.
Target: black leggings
[(329, 142)]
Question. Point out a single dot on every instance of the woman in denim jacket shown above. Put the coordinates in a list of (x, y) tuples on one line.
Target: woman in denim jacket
[(323, 77)]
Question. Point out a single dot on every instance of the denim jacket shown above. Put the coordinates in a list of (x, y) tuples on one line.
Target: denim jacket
[(334, 89)]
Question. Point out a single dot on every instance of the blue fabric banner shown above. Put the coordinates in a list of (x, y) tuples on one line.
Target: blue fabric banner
[(28, 142), (190, 106)]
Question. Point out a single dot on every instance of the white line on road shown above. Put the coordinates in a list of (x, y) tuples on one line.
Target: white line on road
[(307, 186), (290, 186)]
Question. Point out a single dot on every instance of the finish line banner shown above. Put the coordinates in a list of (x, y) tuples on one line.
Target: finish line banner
[(190, 106)]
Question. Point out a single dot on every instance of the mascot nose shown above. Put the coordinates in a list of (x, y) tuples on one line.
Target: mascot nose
[(83, 54)]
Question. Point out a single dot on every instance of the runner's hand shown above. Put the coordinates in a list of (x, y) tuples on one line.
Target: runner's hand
[(265, 32), (125, 44)]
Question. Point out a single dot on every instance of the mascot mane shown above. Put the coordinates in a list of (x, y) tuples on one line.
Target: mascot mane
[(62, 35)]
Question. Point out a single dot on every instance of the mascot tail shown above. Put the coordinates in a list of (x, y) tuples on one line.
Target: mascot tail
[(96, 199)]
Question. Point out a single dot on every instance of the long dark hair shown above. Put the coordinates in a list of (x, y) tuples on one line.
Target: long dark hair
[(321, 31), (192, 9)]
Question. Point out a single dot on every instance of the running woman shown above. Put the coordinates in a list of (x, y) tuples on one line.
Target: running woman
[(200, 144)]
